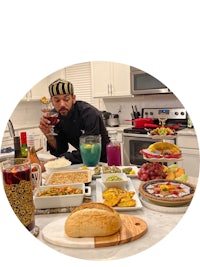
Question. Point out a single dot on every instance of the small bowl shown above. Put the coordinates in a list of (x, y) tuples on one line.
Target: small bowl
[(57, 165), (116, 184)]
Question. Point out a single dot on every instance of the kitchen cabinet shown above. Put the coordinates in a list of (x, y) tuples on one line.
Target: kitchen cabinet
[(110, 79), (41, 88), (188, 143)]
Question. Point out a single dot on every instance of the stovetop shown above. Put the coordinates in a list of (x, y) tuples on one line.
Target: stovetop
[(175, 117)]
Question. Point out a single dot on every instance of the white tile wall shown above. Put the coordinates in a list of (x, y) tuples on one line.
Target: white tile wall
[(152, 101), (28, 113)]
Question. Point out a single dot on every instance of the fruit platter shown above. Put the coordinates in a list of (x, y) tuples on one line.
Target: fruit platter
[(156, 170)]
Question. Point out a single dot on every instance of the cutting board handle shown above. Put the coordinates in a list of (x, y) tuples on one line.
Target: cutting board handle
[(88, 191)]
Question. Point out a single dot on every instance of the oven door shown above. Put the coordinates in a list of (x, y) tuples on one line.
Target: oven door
[(133, 143)]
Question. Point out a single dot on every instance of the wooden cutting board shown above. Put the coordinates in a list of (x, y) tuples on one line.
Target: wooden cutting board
[(132, 229)]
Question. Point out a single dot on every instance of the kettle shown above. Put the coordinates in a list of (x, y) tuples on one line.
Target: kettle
[(113, 120)]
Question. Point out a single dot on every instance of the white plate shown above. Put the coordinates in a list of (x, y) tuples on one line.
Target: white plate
[(129, 187), (162, 159), (135, 168)]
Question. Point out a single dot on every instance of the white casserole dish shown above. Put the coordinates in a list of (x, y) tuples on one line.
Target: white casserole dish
[(61, 201), (69, 176)]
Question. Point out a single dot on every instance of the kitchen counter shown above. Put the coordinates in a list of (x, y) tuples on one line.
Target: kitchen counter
[(187, 131), (160, 222)]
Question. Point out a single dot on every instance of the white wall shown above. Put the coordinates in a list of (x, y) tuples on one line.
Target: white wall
[(150, 101)]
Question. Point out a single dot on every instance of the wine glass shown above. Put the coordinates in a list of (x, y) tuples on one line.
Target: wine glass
[(46, 104), (52, 116)]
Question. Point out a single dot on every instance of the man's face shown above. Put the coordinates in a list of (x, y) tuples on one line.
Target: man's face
[(63, 103)]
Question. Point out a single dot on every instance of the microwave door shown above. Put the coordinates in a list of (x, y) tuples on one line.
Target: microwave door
[(143, 83)]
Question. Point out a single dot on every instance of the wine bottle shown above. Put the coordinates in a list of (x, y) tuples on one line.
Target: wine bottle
[(17, 147), (24, 148)]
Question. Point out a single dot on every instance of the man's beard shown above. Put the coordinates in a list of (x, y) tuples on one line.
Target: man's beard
[(67, 111)]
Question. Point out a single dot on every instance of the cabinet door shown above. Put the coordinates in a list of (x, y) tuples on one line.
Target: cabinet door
[(190, 161), (101, 84), (39, 90), (110, 79), (121, 80)]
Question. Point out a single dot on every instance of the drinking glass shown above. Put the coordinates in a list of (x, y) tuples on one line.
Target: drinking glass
[(52, 116), (17, 181), (90, 149)]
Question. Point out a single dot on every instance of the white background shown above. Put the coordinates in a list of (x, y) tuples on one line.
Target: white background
[(40, 37)]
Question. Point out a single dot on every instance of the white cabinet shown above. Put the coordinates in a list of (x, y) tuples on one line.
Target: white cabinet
[(41, 88), (110, 79), (190, 151)]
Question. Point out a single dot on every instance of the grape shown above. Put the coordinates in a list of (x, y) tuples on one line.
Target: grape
[(151, 171)]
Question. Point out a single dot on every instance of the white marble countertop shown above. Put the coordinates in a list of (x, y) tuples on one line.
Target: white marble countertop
[(160, 223), (187, 131)]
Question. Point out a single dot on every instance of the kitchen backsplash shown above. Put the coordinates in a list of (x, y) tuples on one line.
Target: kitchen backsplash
[(113, 105), (28, 113)]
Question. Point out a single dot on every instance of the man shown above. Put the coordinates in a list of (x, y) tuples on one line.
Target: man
[(75, 118)]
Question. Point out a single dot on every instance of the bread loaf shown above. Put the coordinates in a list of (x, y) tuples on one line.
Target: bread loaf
[(92, 219)]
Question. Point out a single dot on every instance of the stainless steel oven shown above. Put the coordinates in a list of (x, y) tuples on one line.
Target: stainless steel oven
[(135, 140)]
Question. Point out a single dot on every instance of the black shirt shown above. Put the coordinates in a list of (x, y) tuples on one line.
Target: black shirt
[(82, 119)]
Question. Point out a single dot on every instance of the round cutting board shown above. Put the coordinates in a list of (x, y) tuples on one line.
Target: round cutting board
[(132, 229)]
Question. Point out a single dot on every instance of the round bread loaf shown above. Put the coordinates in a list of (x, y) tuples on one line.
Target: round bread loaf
[(92, 219)]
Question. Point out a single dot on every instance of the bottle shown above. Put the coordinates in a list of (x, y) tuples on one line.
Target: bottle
[(189, 123), (32, 155), (24, 148), (17, 147), (113, 150)]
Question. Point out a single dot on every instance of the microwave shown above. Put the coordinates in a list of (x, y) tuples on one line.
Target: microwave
[(143, 83)]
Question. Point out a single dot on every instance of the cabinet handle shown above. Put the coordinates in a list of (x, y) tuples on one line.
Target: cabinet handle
[(108, 89), (111, 89)]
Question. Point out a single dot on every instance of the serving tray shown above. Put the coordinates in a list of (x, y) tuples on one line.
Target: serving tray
[(174, 194), (132, 229), (100, 187)]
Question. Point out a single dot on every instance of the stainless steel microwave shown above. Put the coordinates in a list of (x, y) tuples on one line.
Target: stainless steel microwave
[(143, 83)]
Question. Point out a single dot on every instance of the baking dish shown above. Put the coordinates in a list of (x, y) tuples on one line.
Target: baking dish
[(61, 201)]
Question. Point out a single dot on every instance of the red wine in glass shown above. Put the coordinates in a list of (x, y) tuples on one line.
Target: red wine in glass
[(52, 116)]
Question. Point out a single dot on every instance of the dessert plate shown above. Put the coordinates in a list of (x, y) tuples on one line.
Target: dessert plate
[(170, 193)]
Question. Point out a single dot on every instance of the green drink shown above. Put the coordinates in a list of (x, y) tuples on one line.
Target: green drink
[(90, 148)]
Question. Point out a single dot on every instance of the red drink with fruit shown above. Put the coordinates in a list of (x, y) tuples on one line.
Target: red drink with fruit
[(17, 183)]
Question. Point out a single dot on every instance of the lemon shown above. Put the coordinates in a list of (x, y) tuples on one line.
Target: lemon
[(88, 146)]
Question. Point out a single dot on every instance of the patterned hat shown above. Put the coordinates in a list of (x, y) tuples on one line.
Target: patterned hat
[(61, 87)]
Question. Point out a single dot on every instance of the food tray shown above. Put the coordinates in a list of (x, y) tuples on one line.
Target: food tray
[(135, 168), (129, 187), (60, 201), (69, 176)]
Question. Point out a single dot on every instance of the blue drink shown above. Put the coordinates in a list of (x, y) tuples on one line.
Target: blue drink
[(90, 148)]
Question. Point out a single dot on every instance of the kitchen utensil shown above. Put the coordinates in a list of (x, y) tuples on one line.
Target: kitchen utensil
[(54, 234), (140, 122), (113, 120), (137, 113)]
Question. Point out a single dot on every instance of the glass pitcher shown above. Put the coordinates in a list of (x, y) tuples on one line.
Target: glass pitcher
[(18, 186)]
